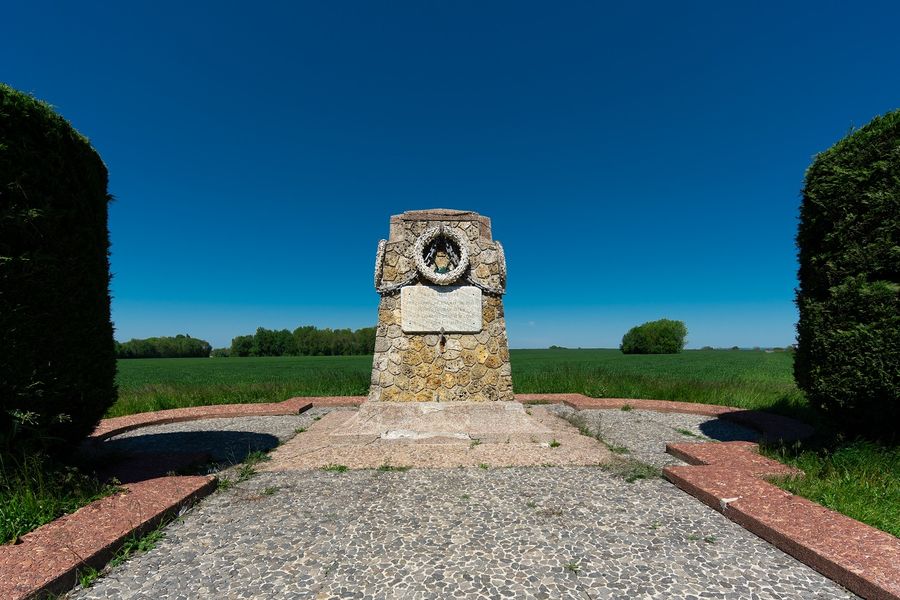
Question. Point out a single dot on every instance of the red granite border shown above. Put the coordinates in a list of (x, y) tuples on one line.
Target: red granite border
[(48, 559), (728, 477), (116, 425)]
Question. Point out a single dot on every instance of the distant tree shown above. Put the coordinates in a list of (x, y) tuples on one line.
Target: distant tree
[(664, 336), (305, 341), (242, 345), (180, 346), (220, 353)]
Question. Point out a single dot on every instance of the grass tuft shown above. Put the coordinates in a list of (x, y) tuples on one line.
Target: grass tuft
[(336, 468), (860, 479), (35, 490)]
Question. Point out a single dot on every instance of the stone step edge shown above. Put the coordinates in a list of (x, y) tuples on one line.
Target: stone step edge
[(863, 559), (48, 560)]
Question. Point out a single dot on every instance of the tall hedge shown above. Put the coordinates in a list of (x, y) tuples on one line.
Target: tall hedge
[(664, 336), (57, 362), (848, 343)]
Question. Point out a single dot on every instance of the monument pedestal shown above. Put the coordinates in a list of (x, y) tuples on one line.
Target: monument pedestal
[(441, 334)]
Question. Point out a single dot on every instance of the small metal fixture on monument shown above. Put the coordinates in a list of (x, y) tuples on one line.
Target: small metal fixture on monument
[(441, 331)]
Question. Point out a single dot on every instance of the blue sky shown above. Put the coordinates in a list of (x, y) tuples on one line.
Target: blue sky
[(638, 160)]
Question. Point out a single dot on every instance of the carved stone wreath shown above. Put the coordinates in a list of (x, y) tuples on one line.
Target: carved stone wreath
[(428, 271)]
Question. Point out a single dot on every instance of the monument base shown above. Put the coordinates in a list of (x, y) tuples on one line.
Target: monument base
[(494, 422)]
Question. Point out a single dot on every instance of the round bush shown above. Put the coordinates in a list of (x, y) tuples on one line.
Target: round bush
[(655, 337), (57, 362), (848, 337)]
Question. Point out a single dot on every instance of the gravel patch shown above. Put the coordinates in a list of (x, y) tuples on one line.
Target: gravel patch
[(552, 532), (645, 433)]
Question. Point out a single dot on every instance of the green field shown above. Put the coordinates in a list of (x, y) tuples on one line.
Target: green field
[(745, 379)]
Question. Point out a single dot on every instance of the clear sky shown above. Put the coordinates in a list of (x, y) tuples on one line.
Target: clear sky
[(639, 160)]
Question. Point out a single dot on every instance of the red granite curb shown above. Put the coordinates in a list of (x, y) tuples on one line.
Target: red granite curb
[(48, 559), (727, 477), (292, 406)]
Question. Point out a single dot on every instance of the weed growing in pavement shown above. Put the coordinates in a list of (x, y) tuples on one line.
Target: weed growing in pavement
[(585, 429), (270, 490), (693, 537), (573, 567), (688, 433), (300, 430), (139, 543), (554, 444), (710, 539), (246, 472), (465, 497), (531, 504), (626, 408), (256, 457), (87, 575), (475, 442), (223, 483), (335, 468), (388, 468), (484, 466)]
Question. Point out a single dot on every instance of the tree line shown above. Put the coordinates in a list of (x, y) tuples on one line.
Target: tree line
[(180, 346), (303, 341)]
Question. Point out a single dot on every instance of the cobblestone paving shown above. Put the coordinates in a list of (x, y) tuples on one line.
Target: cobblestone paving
[(645, 433), (458, 533)]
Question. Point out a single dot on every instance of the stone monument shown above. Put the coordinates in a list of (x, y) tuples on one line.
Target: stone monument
[(441, 333)]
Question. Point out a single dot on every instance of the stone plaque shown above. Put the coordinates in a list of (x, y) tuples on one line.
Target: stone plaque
[(428, 309)]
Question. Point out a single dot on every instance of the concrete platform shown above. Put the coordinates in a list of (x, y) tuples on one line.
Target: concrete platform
[(451, 435), (491, 422)]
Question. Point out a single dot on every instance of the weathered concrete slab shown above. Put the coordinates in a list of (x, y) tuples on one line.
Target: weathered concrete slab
[(485, 421)]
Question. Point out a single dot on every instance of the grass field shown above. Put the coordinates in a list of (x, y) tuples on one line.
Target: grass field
[(737, 378)]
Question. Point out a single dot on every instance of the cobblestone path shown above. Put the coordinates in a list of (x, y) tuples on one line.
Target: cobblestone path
[(525, 532)]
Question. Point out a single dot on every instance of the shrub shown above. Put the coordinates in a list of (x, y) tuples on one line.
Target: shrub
[(848, 337), (57, 363), (655, 337)]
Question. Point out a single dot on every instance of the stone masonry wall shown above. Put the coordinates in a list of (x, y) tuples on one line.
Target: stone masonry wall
[(413, 367)]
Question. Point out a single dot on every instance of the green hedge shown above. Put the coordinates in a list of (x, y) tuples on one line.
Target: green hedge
[(848, 350), (57, 363), (664, 336)]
